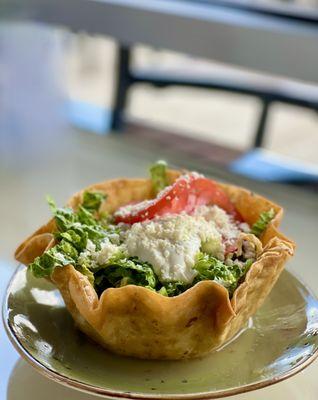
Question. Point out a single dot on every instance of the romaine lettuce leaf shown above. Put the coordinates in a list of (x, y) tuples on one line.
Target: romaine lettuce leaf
[(173, 288), (122, 270), (158, 173), (93, 200), (76, 239), (261, 224), (74, 230), (57, 256), (210, 268)]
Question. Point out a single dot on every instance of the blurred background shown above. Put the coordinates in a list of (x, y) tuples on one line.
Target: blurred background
[(94, 89), (218, 85)]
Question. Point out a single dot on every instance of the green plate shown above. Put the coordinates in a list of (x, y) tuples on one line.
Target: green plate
[(279, 341)]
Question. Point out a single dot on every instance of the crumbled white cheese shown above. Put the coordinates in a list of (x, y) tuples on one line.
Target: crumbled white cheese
[(133, 209), (106, 252), (223, 221), (114, 238), (102, 256), (170, 244), (90, 246), (244, 227)]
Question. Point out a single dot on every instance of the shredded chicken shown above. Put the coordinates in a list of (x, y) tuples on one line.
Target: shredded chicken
[(249, 246)]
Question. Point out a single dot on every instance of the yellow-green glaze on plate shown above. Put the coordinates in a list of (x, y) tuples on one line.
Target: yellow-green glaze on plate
[(279, 341)]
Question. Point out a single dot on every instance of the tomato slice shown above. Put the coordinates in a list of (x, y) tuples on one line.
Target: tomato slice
[(186, 193)]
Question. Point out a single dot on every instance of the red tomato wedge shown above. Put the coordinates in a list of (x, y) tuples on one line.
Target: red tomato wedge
[(186, 193)]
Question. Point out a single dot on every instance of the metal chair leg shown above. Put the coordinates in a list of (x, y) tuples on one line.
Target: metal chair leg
[(122, 86), (261, 129)]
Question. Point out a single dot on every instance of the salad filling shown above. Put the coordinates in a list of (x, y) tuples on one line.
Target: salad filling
[(189, 232)]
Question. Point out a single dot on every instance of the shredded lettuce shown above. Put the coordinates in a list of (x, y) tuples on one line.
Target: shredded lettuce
[(261, 224), (122, 271), (210, 268), (58, 256), (158, 173), (93, 200), (173, 288), (75, 228)]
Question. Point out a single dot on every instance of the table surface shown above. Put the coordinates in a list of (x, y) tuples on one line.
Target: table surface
[(77, 159), (259, 41)]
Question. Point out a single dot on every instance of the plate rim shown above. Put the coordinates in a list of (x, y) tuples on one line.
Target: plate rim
[(91, 389)]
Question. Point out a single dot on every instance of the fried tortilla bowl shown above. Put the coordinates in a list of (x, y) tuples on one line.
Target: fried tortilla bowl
[(135, 321)]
